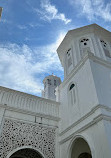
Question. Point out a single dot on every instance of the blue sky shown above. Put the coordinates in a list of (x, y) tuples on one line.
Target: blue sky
[(30, 32)]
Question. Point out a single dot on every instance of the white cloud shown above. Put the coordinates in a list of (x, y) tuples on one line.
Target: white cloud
[(50, 12), (22, 27), (32, 25), (21, 67), (93, 9), (35, 25)]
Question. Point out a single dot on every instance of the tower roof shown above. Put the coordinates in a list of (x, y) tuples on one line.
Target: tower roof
[(51, 77)]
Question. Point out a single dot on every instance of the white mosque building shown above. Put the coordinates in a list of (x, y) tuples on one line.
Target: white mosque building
[(73, 118)]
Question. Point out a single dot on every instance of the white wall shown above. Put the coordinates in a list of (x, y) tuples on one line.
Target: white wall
[(86, 96), (102, 79)]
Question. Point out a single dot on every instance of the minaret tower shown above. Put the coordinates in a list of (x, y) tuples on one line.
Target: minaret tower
[(50, 83), (85, 93)]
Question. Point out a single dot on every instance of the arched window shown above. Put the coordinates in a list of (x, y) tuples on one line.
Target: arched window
[(105, 48), (84, 149), (72, 86), (72, 94), (84, 45)]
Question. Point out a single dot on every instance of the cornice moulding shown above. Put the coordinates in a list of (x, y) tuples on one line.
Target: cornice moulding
[(87, 56), (91, 123), (86, 116)]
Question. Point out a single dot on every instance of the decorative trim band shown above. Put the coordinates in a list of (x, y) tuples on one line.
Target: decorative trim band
[(96, 120), (85, 116), (30, 113)]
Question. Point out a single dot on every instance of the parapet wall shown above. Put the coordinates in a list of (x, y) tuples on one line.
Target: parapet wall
[(30, 103)]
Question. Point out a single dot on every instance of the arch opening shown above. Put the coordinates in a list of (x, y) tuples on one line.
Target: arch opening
[(80, 149), (26, 153)]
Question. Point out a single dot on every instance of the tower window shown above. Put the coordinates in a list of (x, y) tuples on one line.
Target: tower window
[(49, 81), (45, 85), (68, 52), (105, 48), (85, 41), (104, 44), (84, 45), (69, 59), (72, 85), (55, 83), (72, 94)]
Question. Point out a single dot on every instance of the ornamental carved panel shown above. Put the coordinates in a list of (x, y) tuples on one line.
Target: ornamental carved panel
[(17, 134)]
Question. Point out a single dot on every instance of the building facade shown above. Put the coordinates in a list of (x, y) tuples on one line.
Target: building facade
[(78, 123)]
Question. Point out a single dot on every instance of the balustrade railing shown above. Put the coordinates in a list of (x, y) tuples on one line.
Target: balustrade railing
[(28, 102)]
